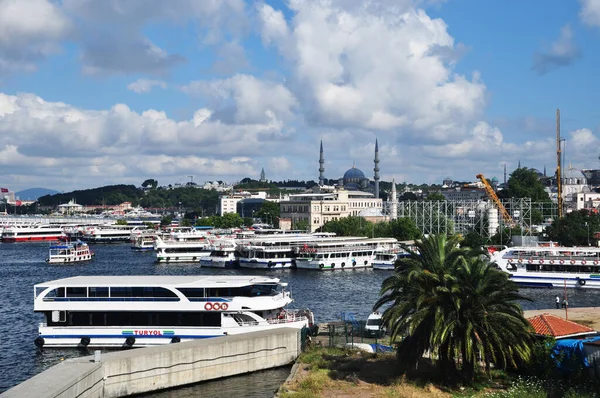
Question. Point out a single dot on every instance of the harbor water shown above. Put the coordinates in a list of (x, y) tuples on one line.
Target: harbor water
[(326, 293)]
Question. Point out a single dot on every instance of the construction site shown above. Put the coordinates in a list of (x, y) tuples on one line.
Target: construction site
[(489, 215)]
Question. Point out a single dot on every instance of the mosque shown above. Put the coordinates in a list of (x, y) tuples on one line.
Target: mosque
[(354, 179), (354, 195)]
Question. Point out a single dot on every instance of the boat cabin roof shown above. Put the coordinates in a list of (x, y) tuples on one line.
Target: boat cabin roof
[(201, 281)]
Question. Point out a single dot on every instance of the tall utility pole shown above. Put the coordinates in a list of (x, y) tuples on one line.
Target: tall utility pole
[(191, 180), (558, 164)]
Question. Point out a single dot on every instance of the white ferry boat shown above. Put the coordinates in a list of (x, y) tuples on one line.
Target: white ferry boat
[(69, 252), (534, 266), (171, 251), (137, 311), (143, 240), (385, 259), (27, 233), (348, 253), (222, 255), (271, 251), (109, 234)]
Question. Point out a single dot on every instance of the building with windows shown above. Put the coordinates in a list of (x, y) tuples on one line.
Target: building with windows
[(229, 203), (327, 204)]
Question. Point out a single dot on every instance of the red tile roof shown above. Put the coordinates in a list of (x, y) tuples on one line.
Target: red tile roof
[(551, 325)]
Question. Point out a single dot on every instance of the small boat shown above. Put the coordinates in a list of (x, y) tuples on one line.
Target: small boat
[(69, 252)]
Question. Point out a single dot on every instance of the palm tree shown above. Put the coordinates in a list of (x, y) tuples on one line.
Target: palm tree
[(450, 302)]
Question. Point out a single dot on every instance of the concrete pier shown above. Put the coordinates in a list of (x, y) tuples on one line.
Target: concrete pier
[(137, 371)]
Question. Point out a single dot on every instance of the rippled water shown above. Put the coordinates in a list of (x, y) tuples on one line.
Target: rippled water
[(326, 293)]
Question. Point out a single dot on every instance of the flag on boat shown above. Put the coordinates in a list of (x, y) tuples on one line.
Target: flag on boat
[(18, 203), (3, 189)]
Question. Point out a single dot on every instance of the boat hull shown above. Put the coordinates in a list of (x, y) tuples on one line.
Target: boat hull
[(331, 265), (218, 262), (137, 336), (279, 263), (26, 238), (181, 258), (69, 260), (584, 281)]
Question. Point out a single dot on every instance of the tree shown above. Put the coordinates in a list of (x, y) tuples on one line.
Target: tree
[(269, 213), (408, 196), (301, 225), (525, 183), (404, 229), (435, 197), (575, 229), (451, 302), (150, 183)]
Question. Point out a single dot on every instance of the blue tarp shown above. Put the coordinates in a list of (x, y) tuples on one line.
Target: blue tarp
[(382, 348), (570, 354)]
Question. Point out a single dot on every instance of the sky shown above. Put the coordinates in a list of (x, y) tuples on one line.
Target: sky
[(102, 92)]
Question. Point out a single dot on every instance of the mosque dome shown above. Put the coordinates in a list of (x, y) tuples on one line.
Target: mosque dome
[(573, 176), (353, 175), (371, 212)]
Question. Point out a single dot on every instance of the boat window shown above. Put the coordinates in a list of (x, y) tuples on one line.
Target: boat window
[(192, 291), (39, 290), (77, 292), (58, 292), (98, 291), (153, 291)]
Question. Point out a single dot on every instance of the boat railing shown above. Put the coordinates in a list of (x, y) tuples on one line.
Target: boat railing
[(287, 318)]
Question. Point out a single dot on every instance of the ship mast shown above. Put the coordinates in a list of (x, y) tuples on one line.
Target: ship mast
[(558, 164)]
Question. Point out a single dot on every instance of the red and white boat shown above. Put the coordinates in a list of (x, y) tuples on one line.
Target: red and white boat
[(27, 233)]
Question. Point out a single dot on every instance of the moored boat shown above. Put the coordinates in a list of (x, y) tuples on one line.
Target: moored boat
[(347, 253), (69, 252), (537, 266), (137, 311), (27, 233)]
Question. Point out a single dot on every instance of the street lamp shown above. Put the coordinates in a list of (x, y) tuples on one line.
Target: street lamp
[(588, 232)]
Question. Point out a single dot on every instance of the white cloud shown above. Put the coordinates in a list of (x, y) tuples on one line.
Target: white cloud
[(281, 164), (145, 85), (245, 99), (114, 145), (29, 31), (111, 32), (590, 12), (560, 53), (372, 65)]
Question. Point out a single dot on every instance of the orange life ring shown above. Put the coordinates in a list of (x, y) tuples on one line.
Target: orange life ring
[(595, 262), (520, 261), (216, 306), (583, 262), (224, 306), (551, 261), (541, 261), (208, 306), (562, 261), (530, 261), (572, 261)]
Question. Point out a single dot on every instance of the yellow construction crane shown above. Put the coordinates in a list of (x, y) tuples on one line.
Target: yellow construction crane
[(492, 195)]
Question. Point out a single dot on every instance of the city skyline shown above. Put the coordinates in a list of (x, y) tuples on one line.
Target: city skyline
[(96, 93)]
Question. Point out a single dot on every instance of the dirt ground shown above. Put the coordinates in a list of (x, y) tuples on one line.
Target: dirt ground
[(588, 316)]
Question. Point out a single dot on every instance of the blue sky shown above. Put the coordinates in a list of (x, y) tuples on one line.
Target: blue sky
[(97, 92)]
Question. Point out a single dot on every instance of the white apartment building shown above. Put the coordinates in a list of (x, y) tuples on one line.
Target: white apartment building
[(228, 203), (329, 204)]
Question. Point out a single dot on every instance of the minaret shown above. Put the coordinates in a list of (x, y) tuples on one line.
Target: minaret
[(545, 171), (504, 174), (321, 167), (262, 175), (394, 209), (519, 166), (376, 170)]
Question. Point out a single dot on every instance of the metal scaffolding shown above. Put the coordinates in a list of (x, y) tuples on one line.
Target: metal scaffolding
[(464, 216)]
